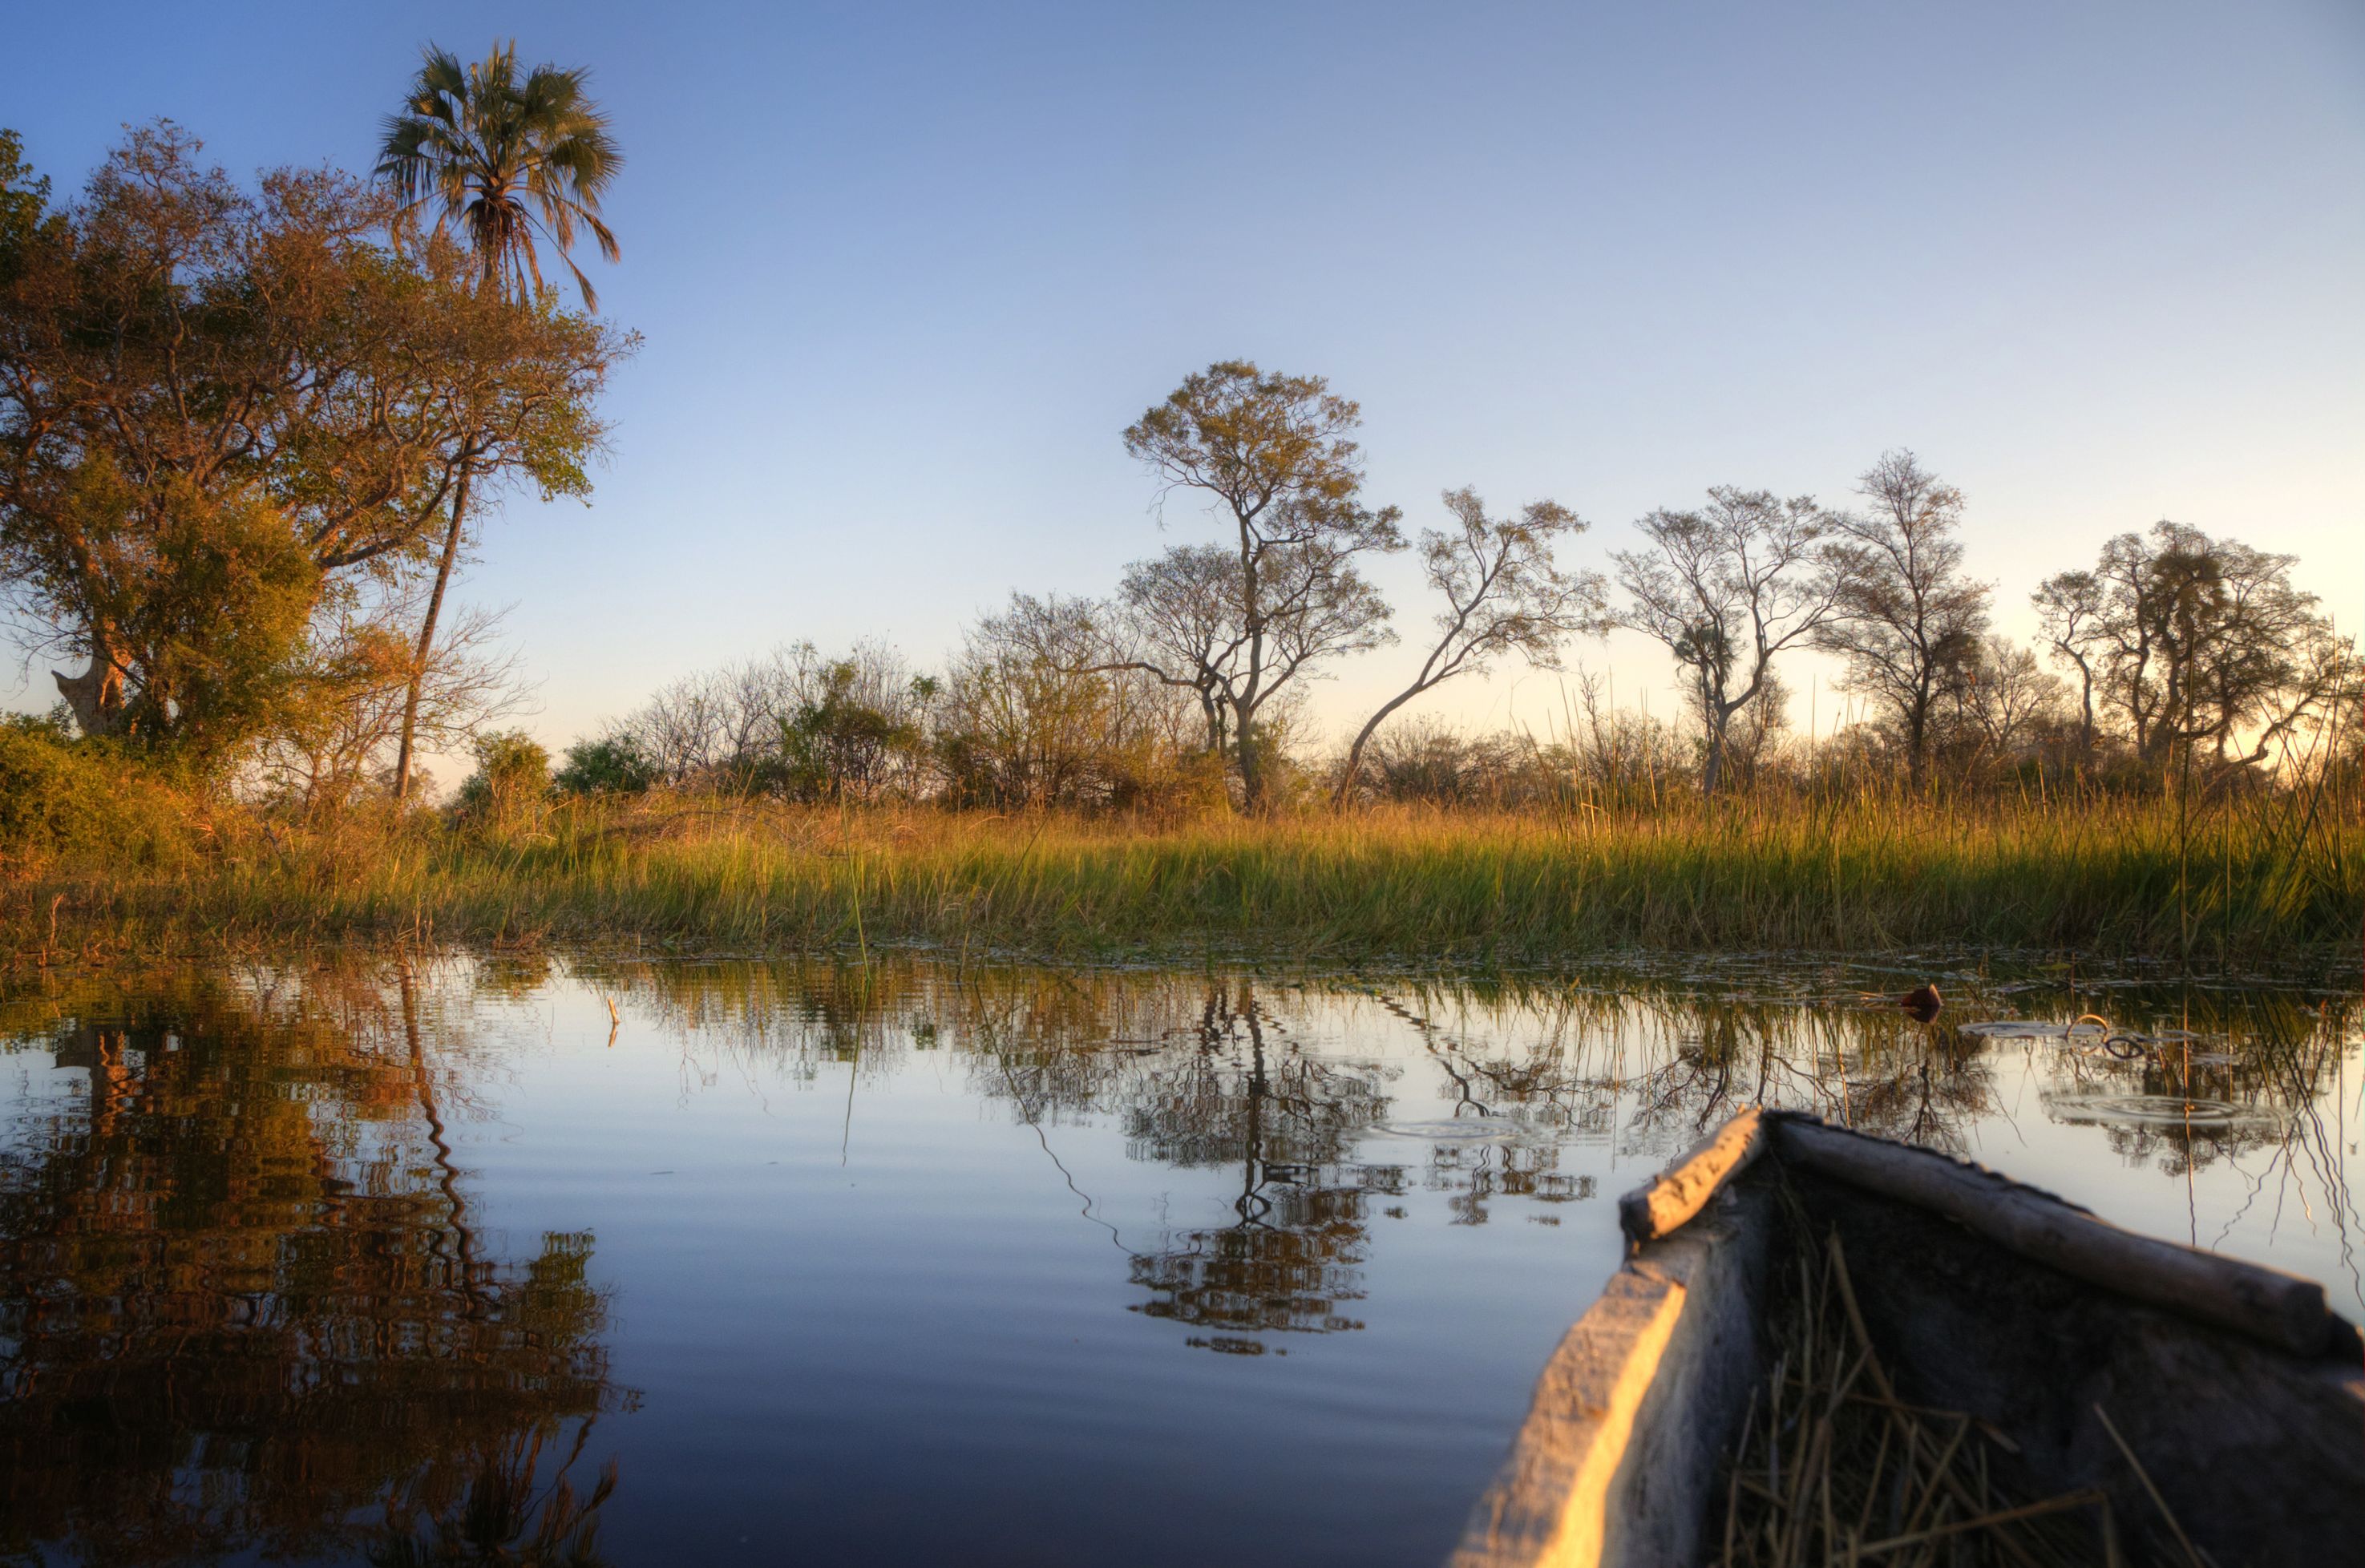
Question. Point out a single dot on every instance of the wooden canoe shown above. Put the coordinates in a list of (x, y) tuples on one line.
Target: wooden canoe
[(2234, 1389)]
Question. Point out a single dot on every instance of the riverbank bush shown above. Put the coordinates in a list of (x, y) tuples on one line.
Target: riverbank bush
[(69, 803)]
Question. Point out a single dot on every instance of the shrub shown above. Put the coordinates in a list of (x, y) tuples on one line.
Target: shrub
[(613, 765), (511, 784), (79, 800)]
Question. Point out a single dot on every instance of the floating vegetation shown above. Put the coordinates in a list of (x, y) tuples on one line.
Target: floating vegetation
[(2092, 1035)]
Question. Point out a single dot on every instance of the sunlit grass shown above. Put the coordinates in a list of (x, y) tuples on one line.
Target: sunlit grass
[(2114, 877)]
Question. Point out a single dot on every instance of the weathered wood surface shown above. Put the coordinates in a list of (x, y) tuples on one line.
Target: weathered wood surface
[(1630, 1418), (2279, 1309), (1547, 1505), (1670, 1199)]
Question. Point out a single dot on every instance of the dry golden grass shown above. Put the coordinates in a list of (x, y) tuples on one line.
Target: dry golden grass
[(2111, 877)]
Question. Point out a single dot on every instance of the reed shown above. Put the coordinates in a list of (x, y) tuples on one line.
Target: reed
[(2108, 877)]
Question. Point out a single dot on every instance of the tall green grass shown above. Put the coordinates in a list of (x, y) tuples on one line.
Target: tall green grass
[(2111, 877)]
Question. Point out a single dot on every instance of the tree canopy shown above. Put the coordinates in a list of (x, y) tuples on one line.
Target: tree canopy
[(1725, 589), (507, 159), (225, 409), (2194, 642)]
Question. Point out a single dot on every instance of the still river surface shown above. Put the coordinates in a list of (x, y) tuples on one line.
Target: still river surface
[(380, 1260)]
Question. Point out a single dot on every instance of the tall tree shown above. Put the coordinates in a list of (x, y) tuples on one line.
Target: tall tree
[(1275, 456), (2200, 643), (2069, 610), (509, 162), (1726, 588), (1503, 594), (217, 404), (1178, 619), (1908, 620)]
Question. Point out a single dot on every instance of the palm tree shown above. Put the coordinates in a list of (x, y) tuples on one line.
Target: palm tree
[(509, 163)]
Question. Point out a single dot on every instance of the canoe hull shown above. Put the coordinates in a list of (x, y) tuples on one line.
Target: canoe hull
[(2262, 1448)]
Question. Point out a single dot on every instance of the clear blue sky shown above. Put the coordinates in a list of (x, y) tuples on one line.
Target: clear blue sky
[(905, 272)]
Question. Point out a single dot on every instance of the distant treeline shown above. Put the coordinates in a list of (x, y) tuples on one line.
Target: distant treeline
[(2173, 652), (248, 434), (2178, 661)]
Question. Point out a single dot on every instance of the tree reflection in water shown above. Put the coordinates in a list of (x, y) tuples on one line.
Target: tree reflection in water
[(1212, 1072), (246, 1305), (1244, 1091), (243, 1305)]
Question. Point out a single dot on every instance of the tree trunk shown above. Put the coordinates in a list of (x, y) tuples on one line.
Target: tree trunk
[(1712, 769), (1211, 708), (1244, 704), (1252, 779), (427, 635), (1354, 769), (96, 696)]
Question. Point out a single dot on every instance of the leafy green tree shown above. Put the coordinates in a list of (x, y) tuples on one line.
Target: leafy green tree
[(220, 406), (209, 597), (838, 744), (508, 161), (511, 780), (607, 765)]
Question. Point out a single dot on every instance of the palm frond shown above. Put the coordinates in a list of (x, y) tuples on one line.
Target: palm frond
[(508, 161)]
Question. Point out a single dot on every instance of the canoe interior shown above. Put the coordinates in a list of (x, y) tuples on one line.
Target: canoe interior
[(2260, 1451)]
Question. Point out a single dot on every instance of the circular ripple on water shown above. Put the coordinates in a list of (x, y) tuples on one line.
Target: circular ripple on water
[(2161, 1110)]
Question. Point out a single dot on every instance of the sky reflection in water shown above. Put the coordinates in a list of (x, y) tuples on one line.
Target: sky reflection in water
[(812, 1262)]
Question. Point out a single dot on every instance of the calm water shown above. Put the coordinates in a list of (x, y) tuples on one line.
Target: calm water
[(811, 1263)]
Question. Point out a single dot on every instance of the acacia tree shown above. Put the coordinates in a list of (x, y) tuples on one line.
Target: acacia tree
[(1504, 595), (2195, 642), (1275, 457), (215, 403), (1725, 589), (1909, 621), (2069, 610), (1177, 620), (509, 162)]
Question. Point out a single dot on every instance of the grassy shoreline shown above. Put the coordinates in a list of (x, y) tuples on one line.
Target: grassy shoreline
[(2112, 879)]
